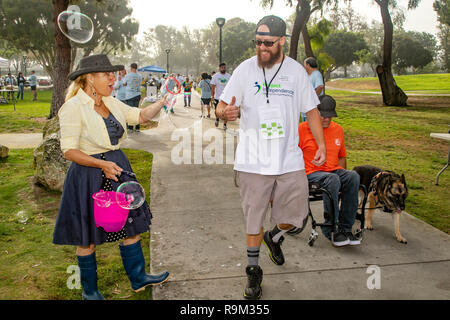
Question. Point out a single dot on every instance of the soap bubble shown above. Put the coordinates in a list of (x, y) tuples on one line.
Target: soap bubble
[(22, 217), (75, 25), (130, 195), (171, 87)]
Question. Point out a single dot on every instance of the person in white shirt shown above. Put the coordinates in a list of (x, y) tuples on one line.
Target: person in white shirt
[(271, 90), (218, 83)]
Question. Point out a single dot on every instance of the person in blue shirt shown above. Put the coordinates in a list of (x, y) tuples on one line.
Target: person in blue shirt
[(9, 82), (33, 82), (118, 85), (132, 82), (315, 77), (205, 86)]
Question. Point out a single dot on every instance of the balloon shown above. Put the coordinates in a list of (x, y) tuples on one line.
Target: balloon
[(76, 26)]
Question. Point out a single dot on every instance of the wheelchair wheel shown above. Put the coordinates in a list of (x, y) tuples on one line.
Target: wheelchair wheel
[(359, 234), (312, 238)]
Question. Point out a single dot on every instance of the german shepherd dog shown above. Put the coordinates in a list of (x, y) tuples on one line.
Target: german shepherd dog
[(385, 188)]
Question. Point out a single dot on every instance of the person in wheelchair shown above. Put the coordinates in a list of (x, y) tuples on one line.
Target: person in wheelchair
[(332, 175)]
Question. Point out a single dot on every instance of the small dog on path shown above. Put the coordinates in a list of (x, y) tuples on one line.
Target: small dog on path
[(385, 188)]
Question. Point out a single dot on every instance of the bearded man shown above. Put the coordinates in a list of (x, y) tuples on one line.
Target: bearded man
[(271, 91)]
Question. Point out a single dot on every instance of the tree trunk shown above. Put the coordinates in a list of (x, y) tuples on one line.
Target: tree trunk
[(345, 71), (307, 42), (303, 11), (392, 94), (61, 67)]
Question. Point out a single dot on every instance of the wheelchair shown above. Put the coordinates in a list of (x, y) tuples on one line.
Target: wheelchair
[(316, 193)]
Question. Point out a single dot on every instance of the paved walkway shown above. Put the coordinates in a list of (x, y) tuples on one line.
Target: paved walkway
[(20, 140), (198, 235)]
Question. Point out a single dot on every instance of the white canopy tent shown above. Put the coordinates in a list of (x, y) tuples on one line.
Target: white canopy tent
[(4, 63)]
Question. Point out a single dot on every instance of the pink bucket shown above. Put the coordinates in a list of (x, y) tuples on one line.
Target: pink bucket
[(108, 214)]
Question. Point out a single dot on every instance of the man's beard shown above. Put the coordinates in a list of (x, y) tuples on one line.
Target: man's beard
[(272, 60)]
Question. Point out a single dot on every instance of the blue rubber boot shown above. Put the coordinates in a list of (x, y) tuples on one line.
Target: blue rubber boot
[(88, 276), (134, 264)]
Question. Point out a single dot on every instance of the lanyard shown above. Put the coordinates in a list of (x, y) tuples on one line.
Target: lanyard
[(265, 81)]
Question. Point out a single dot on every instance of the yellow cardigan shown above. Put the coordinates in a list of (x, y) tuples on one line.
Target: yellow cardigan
[(84, 129)]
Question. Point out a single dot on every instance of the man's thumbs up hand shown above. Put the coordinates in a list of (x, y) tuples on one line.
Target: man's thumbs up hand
[(231, 112)]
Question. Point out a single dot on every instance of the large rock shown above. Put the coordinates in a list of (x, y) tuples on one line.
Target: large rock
[(3, 151), (50, 167)]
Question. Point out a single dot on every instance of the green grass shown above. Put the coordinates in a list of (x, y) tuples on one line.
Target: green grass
[(29, 115), (33, 267), (425, 83)]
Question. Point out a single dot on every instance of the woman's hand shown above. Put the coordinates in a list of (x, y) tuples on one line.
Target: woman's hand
[(111, 170), (149, 112), (165, 98)]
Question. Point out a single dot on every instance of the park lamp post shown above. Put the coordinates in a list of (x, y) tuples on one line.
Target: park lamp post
[(220, 22), (24, 65), (167, 52)]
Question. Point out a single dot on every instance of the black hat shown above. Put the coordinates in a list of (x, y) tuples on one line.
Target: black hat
[(327, 107), (275, 24), (94, 63)]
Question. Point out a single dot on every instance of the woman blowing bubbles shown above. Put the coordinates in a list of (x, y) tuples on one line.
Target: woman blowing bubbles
[(92, 128)]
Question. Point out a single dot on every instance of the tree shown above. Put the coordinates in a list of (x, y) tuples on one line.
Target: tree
[(161, 38), (303, 10), (317, 33), (442, 7), (392, 94), (237, 39), (31, 26), (403, 45), (113, 25), (62, 59), (343, 47), (444, 36), (347, 19)]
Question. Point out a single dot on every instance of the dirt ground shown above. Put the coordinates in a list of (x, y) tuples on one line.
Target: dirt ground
[(359, 85)]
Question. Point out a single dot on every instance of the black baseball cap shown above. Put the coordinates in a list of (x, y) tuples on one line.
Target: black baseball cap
[(276, 25), (327, 106)]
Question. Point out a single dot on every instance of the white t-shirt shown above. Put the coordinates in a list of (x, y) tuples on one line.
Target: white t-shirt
[(220, 81), (290, 93)]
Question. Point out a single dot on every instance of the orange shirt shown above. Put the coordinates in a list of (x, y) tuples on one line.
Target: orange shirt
[(334, 141)]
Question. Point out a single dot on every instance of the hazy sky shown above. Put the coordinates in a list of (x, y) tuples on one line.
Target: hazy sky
[(198, 14)]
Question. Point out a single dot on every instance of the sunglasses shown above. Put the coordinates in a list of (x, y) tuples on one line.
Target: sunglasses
[(265, 42)]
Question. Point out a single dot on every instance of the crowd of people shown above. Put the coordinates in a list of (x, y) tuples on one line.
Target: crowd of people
[(268, 92), (10, 82)]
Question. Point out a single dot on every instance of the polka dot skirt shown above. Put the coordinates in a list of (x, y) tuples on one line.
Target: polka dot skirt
[(107, 186)]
